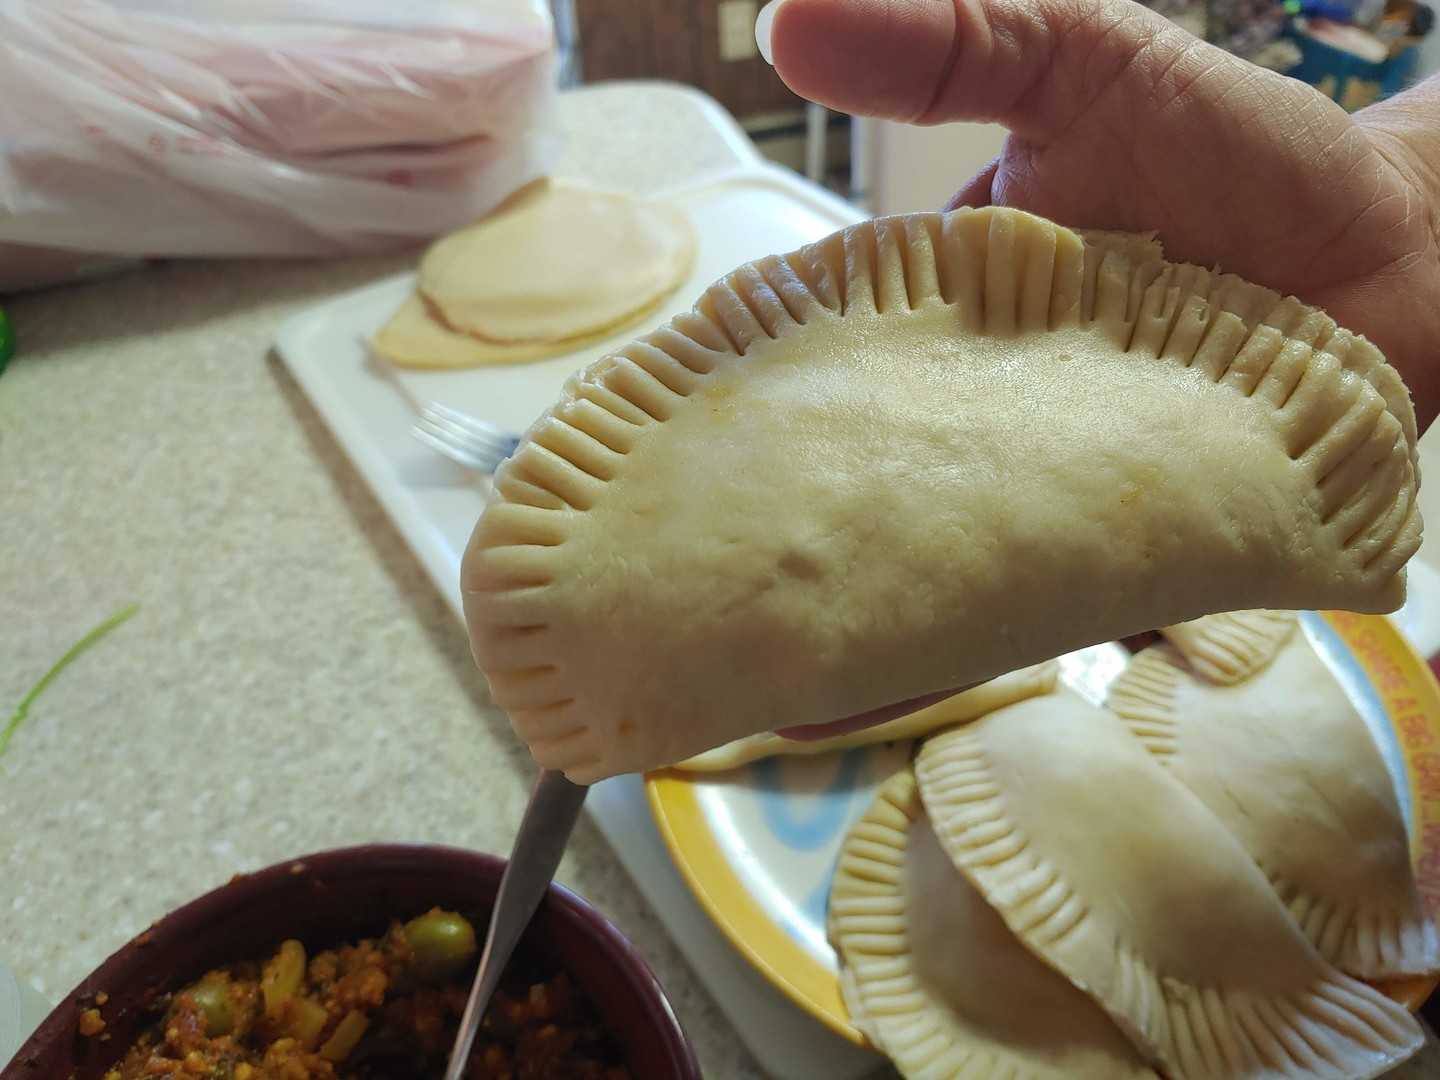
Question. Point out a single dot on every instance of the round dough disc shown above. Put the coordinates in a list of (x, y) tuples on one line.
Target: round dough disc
[(415, 338), (565, 261)]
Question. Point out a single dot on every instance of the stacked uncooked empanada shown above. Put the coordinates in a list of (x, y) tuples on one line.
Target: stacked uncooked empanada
[(1282, 758), (914, 456), (1047, 896)]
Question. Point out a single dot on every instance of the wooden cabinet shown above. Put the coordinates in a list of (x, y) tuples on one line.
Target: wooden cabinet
[(681, 40)]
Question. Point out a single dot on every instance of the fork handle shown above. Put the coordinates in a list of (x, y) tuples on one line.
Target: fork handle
[(544, 830)]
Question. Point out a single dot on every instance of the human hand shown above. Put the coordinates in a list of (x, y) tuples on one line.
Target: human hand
[(1120, 120)]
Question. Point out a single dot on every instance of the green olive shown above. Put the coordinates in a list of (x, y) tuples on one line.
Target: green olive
[(212, 999), (441, 944)]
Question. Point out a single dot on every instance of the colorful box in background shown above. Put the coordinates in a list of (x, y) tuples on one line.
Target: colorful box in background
[(1348, 70)]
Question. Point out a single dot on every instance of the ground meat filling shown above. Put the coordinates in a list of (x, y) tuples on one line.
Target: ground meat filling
[(378, 1009)]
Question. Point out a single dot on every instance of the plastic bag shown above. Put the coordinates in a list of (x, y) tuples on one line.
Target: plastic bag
[(265, 127)]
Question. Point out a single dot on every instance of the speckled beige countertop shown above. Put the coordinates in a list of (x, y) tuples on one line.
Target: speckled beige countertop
[(293, 681)]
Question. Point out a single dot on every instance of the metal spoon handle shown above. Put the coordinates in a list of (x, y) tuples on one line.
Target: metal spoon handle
[(544, 830)]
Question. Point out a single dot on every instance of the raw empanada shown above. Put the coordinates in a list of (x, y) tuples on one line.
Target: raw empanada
[(1121, 879), (934, 977), (1285, 761), (559, 262), (960, 709), (913, 456), (1232, 645)]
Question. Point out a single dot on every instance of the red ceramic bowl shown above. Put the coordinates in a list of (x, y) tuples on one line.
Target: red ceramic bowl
[(334, 896)]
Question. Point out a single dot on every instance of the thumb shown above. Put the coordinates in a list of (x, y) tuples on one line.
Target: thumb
[(1032, 65)]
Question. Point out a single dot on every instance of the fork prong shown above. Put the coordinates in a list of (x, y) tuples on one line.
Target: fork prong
[(463, 421), (480, 440), (482, 461), (471, 428), (497, 448), (463, 438)]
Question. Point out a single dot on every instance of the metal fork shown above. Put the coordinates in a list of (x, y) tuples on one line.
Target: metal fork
[(461, 437)]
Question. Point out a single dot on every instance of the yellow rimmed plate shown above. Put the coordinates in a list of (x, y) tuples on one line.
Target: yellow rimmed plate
[(758, 844)]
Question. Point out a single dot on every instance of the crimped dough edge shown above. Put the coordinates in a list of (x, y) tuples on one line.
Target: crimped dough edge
[(1334, 1027), (1374, 941), (981, 263), (1230, 646), (867, 927)]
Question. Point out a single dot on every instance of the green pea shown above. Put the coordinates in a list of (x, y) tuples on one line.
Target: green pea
[(441, 944), (212, 998)]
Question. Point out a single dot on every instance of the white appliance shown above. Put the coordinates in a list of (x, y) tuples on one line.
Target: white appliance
[(901, 168)]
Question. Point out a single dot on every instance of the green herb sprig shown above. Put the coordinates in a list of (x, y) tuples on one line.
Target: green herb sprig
[(45, 680)]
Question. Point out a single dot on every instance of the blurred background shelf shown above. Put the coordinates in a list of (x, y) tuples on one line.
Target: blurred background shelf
[(710, 45)]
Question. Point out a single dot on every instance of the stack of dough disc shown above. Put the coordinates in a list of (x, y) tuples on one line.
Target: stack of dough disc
[(557, 266)]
